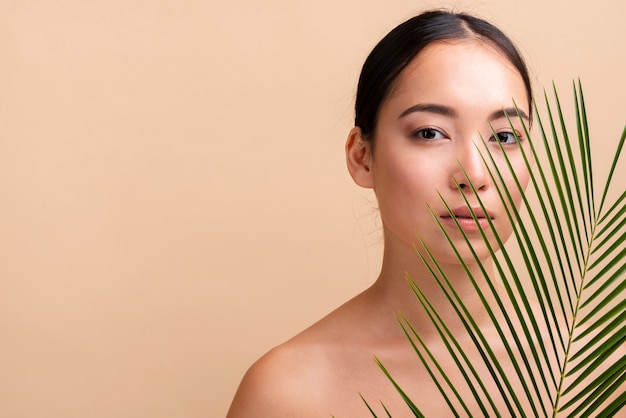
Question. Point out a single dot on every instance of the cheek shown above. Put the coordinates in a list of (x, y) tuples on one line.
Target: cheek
[(406, 185), (523, 177), (396, 172), (505, 228)]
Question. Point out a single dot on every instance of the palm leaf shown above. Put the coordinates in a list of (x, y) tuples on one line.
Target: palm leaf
[(569, 357)]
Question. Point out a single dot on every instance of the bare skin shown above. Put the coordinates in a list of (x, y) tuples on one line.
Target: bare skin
[(322, 370)]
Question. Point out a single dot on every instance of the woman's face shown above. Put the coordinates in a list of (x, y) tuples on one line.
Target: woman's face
[(449, 96)]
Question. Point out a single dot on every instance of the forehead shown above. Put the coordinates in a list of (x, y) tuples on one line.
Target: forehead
[(470, 70)]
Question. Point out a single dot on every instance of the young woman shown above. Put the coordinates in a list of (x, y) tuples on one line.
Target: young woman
[(427, 94)]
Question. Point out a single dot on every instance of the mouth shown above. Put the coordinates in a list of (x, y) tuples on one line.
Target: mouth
[(463, 216)]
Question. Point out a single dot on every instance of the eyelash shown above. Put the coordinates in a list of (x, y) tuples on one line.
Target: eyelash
[(514, 137), (419, 134)]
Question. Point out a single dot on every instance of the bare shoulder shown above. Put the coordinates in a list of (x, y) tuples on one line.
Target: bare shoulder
[(299, 377), (278, 384), (293, 378)]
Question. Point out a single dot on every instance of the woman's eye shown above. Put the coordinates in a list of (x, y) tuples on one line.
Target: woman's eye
[(504, 138), (428, 133)]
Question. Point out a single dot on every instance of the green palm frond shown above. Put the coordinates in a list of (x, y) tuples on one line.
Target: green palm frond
[(567, 354)]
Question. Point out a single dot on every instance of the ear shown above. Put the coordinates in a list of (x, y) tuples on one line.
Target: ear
[(359, 157)]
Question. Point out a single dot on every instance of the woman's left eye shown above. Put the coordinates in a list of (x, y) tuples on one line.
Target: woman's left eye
[(504, 138)]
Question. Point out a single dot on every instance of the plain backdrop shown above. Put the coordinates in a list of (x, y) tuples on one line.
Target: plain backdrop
[(173, 193)]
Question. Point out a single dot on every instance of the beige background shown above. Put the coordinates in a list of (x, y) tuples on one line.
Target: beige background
[(173, 197)]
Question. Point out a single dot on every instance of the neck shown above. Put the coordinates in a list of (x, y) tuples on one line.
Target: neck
[(394, 294)]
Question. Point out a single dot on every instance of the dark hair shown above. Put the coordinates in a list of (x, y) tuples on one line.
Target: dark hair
[(398, 48)]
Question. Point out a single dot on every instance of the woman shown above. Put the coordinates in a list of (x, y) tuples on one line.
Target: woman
[(427, 94)]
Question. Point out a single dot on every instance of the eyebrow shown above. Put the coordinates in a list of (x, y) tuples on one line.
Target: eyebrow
[(511, 112), (429, 107)]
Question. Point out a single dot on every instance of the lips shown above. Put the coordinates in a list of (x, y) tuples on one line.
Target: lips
[(466, 212), (463, 215)]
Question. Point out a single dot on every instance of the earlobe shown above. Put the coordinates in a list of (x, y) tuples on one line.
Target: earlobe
[(358, 158)]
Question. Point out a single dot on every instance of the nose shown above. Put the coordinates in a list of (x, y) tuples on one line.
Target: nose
[(469, 168)]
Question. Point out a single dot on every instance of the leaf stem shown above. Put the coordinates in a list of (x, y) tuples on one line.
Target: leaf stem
[(571, 330)]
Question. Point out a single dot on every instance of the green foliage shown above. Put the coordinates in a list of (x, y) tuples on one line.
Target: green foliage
[(573, 251)]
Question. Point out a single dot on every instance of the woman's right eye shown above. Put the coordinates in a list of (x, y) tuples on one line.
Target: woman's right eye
[(428, 134)]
